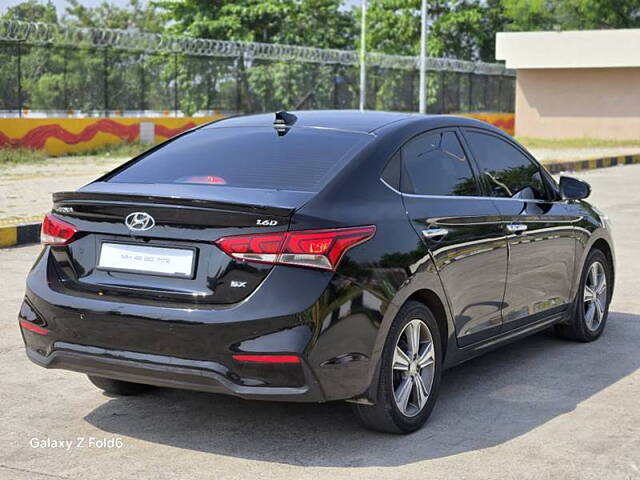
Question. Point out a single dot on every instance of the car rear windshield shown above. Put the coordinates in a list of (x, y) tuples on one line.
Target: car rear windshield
[(303, 159)]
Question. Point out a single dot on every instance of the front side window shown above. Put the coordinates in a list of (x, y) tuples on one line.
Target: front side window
[(508, 171), (435, 164)]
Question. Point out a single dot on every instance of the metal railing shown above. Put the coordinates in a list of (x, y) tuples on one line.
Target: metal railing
[(129, 70)]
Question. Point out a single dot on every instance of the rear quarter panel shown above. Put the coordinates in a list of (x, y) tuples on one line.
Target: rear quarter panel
[(373, 280)]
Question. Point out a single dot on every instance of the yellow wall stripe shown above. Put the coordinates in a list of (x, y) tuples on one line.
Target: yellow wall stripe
[(57, 136)]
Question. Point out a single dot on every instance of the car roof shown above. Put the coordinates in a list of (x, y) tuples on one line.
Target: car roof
[(352, 120)]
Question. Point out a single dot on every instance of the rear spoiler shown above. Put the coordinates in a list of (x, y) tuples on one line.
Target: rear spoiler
[(268, 202)]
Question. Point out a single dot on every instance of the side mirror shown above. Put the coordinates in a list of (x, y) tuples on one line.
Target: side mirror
[(574, 189)]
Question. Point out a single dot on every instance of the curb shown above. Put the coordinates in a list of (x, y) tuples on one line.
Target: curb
[(591, 164), (28, 231), (21, 234)]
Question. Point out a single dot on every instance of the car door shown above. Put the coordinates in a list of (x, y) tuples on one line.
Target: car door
[(538, 225), (461, 230)]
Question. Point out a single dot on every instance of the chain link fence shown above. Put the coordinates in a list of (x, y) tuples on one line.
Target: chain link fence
[(54, 68)]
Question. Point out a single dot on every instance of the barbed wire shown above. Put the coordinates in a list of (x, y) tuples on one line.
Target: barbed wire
[(36, 33)]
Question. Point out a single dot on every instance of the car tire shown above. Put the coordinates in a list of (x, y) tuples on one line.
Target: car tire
[(591, 307), (119, 387), (393, 412)]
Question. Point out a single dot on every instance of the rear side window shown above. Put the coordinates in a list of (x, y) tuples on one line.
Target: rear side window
[(507, 170), (248, 157), (435, 164)]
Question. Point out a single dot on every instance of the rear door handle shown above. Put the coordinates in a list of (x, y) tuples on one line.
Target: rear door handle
[(434, 233), (516, 227)]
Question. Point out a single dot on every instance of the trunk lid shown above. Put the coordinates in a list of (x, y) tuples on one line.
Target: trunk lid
[(188, 218)]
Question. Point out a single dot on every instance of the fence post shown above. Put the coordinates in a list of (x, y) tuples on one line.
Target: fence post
[(459, 90), (105, 81), (512, 94), (19, 48), (486, 91), (238, 86), (65, 92), (442, 92), (143, 86), (175, 84), (423, 58), (363, 57), (335, 86), (375, 73), (470, 109)]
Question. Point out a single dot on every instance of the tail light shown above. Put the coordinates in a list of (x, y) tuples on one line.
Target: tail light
[(56, 232), (321, 249)]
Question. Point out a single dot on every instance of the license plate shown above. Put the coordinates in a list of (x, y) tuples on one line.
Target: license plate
[(143, 259)]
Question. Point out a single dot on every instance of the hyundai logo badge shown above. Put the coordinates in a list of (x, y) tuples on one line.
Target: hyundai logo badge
[(139, 221)]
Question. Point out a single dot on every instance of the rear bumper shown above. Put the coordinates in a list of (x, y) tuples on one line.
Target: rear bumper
[(163, 372), (191, 348), (169, 353)]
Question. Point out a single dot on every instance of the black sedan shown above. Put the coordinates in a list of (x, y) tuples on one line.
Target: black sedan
[(315, 256)]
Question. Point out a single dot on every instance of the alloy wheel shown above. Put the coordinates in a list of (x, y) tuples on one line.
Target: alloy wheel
[(413, 368), (595, 296)]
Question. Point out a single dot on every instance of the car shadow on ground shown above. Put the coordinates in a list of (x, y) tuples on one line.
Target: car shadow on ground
[(485, 402)]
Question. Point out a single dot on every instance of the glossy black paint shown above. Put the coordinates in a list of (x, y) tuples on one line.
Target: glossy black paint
[(185, 218), (574, 189), (485, 285)]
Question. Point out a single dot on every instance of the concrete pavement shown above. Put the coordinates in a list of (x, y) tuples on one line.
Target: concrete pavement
[(539, 408)]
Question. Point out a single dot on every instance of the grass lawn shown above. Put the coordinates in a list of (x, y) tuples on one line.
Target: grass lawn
[(560, 143), (16, 156)]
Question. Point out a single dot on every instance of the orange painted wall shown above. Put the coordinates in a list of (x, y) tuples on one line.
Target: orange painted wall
[(57, 136)]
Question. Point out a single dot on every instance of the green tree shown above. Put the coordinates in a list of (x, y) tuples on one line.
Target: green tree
[(246, 20), (457, 29), (135, 80), (466, 29), (318, 23), (60, 78), (529, 15), (32, 10), (532, 15), (145, 17), (596, 14), (263, 85), (34, 62)]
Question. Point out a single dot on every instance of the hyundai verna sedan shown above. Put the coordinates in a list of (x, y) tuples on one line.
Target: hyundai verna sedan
[(315, 256)]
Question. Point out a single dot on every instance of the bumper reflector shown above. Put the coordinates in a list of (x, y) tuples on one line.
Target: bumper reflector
[(266, 358), (34, 328)]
